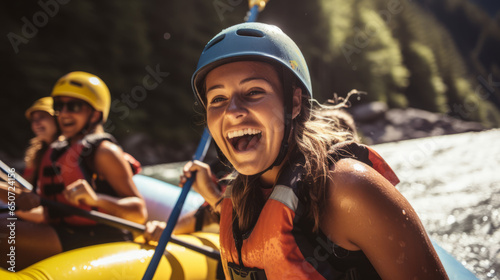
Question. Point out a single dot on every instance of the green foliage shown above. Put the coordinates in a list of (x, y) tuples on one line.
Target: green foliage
[(440, 56), (425, 80), (402, 54), (364, 54)]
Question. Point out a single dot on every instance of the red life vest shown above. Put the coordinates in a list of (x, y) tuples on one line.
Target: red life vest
[(282, 245), (63, 164)]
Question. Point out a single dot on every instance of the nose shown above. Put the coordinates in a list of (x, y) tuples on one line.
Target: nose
[(236, 108), (35, 121)]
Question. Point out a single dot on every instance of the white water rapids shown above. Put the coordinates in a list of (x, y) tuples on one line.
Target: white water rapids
[(453, 182)]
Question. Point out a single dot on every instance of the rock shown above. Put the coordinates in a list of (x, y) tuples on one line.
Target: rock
[(377, 124), (368, 112)]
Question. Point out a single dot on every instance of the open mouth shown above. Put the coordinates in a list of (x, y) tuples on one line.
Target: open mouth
[(67, 124), (244, 139)]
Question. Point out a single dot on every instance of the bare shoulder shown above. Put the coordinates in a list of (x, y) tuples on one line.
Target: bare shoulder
[(364, 211), (353, 178), (109, 159), (110, 149), (359, 199)]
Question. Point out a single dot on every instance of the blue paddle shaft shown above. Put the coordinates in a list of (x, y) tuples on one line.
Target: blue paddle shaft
[(172, 220), (201, 151), (254, 12)]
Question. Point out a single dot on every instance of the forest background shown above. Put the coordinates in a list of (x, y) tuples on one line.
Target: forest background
[(439, 56)]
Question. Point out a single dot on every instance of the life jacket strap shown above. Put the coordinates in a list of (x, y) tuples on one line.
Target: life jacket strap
[(238, 272)]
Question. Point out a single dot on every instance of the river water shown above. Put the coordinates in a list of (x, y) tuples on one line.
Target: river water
[(453, 182)]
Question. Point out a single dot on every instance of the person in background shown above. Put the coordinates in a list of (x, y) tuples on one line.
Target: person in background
[(84, 169), (44, 125), (307, 201)]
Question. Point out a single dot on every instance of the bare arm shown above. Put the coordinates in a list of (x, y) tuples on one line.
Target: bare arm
[(203, 183), (365, 212), (112, 167), (154, 229)]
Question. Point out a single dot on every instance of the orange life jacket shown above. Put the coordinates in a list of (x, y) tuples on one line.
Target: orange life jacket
[(281, 245), (63, 164)]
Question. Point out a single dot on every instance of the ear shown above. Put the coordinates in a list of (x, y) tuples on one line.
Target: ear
[(96, 116), (297, 102)]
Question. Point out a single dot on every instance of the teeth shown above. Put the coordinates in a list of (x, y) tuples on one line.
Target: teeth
[(241, 132)]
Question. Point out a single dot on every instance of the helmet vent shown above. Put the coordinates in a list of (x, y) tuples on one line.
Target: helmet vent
[(215, 41), (75, 83), (250, 32)]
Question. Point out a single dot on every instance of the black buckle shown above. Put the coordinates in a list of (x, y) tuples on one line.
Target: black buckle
[(53, 189), (51, 171), (238, 272)]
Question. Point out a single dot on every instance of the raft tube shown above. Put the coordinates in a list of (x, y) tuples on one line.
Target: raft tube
[(129, 260), (454, 269), (160, 197), (124, 260)]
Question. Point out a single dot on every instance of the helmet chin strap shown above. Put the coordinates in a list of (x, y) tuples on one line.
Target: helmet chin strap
[(288, 111)]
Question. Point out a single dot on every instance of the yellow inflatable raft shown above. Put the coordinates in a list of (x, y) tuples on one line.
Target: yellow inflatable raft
[(124, 260), (129, 260)]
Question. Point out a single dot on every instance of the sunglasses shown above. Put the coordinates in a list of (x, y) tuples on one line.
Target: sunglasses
[(71, 106)]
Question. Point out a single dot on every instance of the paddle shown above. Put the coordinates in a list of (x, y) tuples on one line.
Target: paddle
[(125, 224), (99, 216), (255, 7), (166, 235), (10, 176)]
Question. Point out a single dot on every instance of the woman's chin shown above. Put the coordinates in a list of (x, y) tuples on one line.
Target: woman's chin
[(249, 168)]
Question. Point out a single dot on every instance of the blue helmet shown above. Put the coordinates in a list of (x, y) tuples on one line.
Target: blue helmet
[(251, 41)]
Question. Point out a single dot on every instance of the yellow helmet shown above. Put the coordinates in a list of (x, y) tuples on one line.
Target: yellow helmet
[(42, 104), (87, 87)]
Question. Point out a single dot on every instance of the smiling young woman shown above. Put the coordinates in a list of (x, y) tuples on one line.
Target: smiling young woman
[(244, 109), (307, 202), (85, 169), (44, 126)]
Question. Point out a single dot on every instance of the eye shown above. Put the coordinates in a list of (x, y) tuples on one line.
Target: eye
[(217, 99), (255, 92)]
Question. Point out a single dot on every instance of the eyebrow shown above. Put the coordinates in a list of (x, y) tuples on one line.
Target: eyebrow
[(241, 82)]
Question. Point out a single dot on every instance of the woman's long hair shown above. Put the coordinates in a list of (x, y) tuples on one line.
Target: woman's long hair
[(313, 135), (35, 151)]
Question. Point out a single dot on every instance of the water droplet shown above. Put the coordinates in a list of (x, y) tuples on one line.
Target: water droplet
[(404, 212), (166, 36), (451, 219)]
